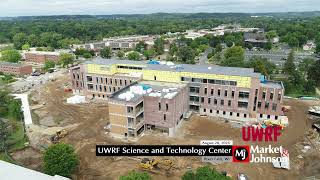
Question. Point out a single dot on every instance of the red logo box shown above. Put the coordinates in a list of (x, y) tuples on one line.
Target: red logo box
[(241, 154)]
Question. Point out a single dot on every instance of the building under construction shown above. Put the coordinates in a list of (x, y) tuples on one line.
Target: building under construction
[(155, 95)]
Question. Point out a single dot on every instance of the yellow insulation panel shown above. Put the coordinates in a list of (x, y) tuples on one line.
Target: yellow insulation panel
[(167, 76), (99, 69)]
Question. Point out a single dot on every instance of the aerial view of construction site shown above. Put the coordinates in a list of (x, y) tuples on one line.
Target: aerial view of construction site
[(191, 96)]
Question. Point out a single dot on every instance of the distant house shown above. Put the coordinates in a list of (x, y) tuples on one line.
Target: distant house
[(117, 43), (309, 46), (12, 172), (255, 39), (15, 68), (40, 57)]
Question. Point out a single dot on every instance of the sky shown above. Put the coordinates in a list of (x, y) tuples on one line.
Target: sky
[(106, 7)]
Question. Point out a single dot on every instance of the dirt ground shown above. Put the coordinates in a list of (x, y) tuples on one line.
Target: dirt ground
[(87, 122)]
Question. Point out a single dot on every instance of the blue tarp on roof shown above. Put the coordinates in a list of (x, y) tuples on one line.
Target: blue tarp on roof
[(145, 87), (262, 79), (153, 62)]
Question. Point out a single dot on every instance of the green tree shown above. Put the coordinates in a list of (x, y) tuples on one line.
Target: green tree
[(14, 109), (33, 40), (134, 56), (60, 159), (159, 46), (318, 47), (218, 48), (19, 40), (48, 65), (271, 34), (235, 51), (4, 101), (51, 39), (268, 46), (149, 53), (87, 55), (293, 42), (133, 175), (186, 54), (120, 54), (66, 42), (80, 51), (7, 78), (229, 40), (39, 49), (234, 57), (211, 54), (314, 73), (3, 136), (289, 66), (173, 49), (309, 87), (106, 52), (10, 55), (141, 46), (49, 48), (65, 59), (189, 175), (305, 65), (204, 173), (9, 107), (26, 47), (261, 65)]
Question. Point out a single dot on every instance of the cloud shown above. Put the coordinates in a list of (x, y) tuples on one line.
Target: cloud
[(94, 7)]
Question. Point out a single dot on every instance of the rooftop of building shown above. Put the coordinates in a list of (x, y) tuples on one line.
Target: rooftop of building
[(135, 92), (256, 37), (43, 52), (208, 69), (272, 84), (12, 64)]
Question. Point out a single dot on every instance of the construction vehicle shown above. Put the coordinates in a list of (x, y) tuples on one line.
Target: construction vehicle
[(59, 134), (156, 164)]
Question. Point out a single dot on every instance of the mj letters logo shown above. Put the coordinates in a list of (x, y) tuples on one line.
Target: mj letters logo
[(240, 153)]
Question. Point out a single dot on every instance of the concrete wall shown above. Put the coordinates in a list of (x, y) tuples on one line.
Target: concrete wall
[(177, 107), (233, 111), (103, 86), (40, 58), (16, 70), (118, 119)]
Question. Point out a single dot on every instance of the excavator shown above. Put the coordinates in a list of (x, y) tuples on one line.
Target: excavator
[(156, 164), (59, 134)]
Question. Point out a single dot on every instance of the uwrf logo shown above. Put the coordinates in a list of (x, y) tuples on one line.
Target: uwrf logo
[(240, 153)]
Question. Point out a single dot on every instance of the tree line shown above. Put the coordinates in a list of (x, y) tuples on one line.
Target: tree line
[(58, 33)]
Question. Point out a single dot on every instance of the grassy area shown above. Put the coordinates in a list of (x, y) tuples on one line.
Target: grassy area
[(7, 79), (17, 138), (6, 158)]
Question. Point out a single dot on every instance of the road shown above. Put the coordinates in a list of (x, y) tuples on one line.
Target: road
[(278, 57), (32, 82), (204, 58)]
